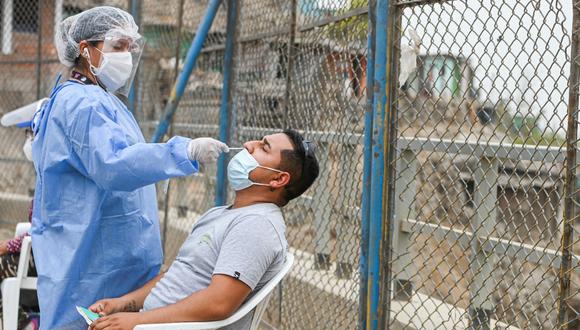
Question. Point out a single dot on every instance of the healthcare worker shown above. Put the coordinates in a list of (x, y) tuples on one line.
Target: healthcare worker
[(95, 231)]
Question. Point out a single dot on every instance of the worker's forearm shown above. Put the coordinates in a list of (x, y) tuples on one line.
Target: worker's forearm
[(136, 298)]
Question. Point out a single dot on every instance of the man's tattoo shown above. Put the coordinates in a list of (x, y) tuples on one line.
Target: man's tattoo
[(131, 306)]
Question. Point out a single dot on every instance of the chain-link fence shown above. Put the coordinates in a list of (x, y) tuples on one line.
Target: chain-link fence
[(481, 224), (480, 166)]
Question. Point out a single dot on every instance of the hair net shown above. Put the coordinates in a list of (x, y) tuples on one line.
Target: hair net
[(94, 24)]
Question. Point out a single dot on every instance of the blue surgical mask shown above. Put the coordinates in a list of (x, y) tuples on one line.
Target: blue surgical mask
[(239, 169)]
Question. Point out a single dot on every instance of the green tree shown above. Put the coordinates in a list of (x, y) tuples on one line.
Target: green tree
[(352, 29)]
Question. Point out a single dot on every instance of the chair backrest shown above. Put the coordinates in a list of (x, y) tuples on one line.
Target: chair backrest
[(24, 259), (260, 300), (22, 228), (266, 291)]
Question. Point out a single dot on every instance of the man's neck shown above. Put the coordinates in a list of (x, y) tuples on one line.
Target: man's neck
[(250, 197)]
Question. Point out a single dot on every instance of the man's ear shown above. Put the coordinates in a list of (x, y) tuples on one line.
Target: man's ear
[(280, 180)]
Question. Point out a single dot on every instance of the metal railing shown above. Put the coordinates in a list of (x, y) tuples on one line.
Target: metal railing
[(477, 238)]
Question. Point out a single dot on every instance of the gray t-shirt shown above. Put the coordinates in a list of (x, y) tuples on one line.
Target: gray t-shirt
[(247, 243)]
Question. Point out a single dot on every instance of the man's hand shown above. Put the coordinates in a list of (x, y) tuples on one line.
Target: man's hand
[(114, 305), (119, 321)]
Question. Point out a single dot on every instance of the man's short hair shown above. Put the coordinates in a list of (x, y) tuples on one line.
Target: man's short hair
[(301, 163)]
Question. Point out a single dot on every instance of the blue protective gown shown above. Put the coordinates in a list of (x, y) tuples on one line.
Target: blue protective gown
[(95, 228)]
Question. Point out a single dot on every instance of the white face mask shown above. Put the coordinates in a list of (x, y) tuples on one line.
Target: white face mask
[(239, 169), (115, 69)]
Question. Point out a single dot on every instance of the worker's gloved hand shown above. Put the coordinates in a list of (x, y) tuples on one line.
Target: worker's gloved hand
[(206, 150)]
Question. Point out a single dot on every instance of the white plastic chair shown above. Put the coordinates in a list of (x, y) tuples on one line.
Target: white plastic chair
[(22, 228), (259, 302), (11, 286)]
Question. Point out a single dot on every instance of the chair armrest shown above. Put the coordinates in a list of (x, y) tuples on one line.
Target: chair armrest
[(22, 228), (183, 326)]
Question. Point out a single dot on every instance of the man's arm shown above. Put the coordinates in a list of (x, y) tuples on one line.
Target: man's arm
[(131, 302), (218, 301)]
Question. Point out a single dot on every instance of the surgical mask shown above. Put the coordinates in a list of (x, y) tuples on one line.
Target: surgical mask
[(27, 148), (239, 169), (115, 69)]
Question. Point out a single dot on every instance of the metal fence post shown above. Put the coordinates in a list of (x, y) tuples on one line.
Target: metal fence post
[(403, 265), (57, 12), (7, 14), (483, 224), (39, 49), (390, 153), (374, 312), (136, 13), (367, 168), (226, 123), (570, 181), (136, 10), (290, 66)]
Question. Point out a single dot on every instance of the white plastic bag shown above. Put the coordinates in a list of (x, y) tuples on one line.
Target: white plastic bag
[(408, 60)]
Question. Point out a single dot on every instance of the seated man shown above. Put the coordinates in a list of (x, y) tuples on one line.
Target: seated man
[(233, 250)]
